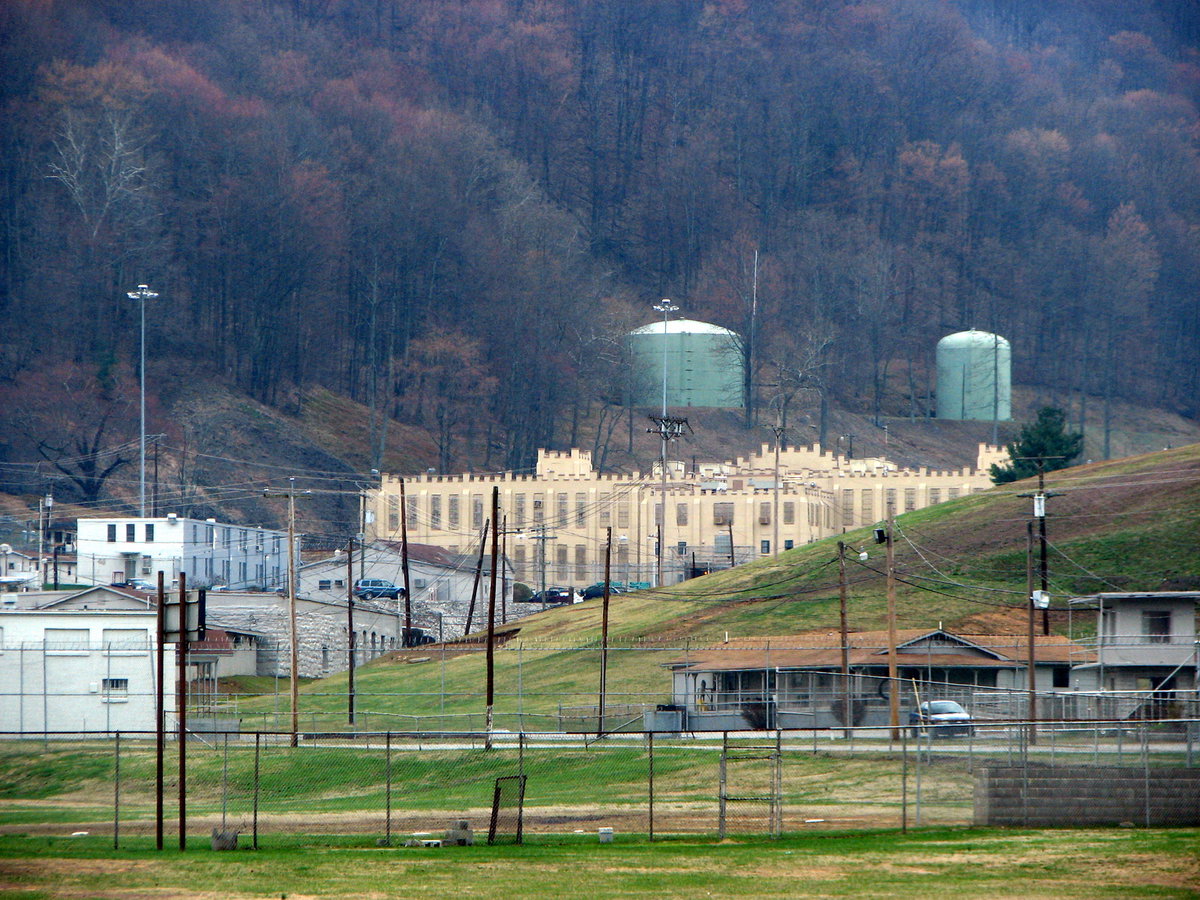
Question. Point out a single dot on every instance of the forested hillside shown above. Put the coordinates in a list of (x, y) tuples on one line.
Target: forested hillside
[(450, 211)]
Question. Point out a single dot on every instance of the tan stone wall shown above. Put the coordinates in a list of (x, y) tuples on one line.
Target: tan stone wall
[(567, 508)]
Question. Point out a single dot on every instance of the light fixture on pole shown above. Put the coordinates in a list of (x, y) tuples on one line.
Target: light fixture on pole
[(666, 307), (142, 294)]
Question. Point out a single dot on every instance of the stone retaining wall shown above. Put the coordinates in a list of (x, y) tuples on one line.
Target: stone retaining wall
[(1037, 796)]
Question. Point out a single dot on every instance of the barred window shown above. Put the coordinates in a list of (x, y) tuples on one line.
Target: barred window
[(867, 506), (580, 562), (723, 513), (561, 518), (477, 511), (452, 516), (847, 507), (435, 511), (623, 514), (789, 512), (891, 500), (520, 511), (605, 510), (910, 499), (764, 514), (952, 493), (935, 495), (561, 567), (581, 509), (681, 513)]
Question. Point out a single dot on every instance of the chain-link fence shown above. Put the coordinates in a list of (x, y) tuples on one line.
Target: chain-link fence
[(391, 787)]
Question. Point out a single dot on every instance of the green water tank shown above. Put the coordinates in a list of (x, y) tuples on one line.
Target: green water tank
[(974, 376), (703, 365)]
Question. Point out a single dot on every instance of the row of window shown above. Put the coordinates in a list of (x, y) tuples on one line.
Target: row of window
[(723, 512), (227, 536)]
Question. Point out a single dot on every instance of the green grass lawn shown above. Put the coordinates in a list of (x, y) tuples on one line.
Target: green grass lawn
[(962, 863)]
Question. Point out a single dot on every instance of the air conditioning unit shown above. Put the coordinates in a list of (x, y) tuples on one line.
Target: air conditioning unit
[(764, 520), (721, 520)]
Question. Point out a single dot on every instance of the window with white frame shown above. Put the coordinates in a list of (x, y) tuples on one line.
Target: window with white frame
[(125, 641), (66, 641)]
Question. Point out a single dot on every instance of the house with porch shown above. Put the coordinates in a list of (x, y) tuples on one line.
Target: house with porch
[(796, 681)]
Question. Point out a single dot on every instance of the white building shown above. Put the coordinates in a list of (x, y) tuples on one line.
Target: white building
[(1146, 642), (81, 662), (18, 571), (120, 550), (442, 583)]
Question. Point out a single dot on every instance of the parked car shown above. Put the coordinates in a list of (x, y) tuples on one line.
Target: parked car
[(555, 596), (592, 591), (375, 588), (943, 717)]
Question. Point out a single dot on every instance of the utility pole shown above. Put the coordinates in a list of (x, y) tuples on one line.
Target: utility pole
[(842, 590), (491, 632), (295, 658), (407, 638), (778, 431), (893, 674), (350, 630), (1032, 616), (604, 633), (1039, 513), (478, 574)]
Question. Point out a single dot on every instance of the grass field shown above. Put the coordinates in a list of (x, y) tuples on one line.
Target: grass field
[(964, 863)]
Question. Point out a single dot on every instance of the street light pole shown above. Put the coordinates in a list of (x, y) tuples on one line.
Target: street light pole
[(142, 294), (666, 307)]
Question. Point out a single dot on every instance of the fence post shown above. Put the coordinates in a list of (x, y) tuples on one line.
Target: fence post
[(650, 735), (904, 780), (257, 748), (1146, 782), (225, 781), (388, 755), (117, 794)]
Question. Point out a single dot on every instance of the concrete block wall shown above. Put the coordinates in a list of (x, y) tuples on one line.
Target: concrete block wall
[(1039, 797)]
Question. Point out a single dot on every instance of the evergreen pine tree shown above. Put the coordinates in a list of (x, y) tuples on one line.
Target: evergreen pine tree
[(1046, 438)]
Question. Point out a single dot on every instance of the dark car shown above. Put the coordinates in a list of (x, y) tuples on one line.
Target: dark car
[(941, 717), (552, 596), (375, 588), (592, 591)]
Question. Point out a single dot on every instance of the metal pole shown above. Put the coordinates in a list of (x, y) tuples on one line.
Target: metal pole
[(650, 736), (491, 632), (350, 645), (142, 294), (117, 794), (295, 664), (160, 718), (181, 703), (257, 753), (604, 633)]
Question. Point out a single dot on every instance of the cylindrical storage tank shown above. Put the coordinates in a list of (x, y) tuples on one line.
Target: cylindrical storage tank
[(974, 376), (703, 365)]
